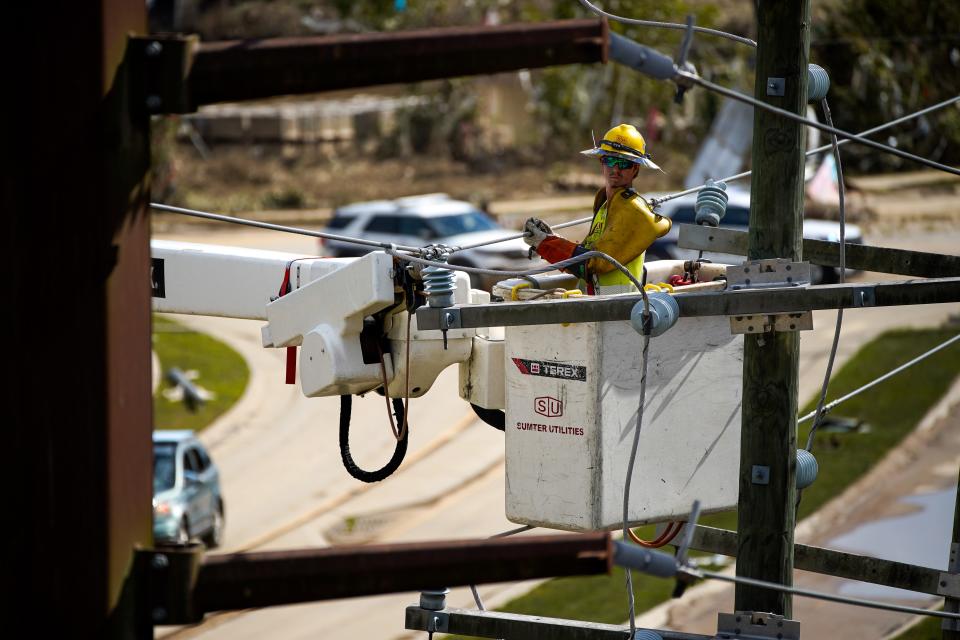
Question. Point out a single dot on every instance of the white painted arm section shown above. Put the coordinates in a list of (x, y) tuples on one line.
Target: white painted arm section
[(325, 318), (231, 282)]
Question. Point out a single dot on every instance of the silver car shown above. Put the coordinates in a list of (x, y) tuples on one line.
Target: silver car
[(187, 502), (428, 219)]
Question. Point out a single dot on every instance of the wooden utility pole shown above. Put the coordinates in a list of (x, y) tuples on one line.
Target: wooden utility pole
[(766, 515)]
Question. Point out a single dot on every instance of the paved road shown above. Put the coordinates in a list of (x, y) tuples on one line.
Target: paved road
[(285, 486)]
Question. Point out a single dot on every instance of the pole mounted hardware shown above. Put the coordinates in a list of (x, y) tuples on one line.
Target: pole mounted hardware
[(749, 625), (168, 581), (160, 66), (775, 273)]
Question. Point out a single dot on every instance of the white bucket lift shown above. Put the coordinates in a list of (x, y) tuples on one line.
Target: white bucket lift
[(572, 395)]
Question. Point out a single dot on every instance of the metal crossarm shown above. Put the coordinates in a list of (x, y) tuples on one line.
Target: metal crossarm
[(713, 303)]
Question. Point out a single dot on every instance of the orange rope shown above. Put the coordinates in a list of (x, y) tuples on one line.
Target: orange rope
[(673, 528)]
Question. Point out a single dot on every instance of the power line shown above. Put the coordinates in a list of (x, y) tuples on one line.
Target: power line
[(843, 276), (382, 245), (279, 227), (666, 25), (867, 132), (819, 595), (736, 95), (882, 378)]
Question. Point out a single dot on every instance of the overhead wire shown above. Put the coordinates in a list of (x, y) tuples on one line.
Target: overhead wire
[(840, 143), (738, 176), (841, 193), (583, 257), (502, 534), (644, 353), (279, 227), (418, 250), (742, 97), (923, 356), (820, 595), (666, 25)]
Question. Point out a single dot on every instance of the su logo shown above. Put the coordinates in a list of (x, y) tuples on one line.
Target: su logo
[(547, 406)]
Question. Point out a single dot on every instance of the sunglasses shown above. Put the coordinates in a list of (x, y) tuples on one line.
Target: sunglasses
[(611, 162)]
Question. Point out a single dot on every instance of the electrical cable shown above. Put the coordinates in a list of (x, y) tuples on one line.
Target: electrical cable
[(654, 201), (398, 433), (279, 227), (742, 97), (504, 534), (819, 595), (583, 257), (843, 276), (636, 444), (669, 533), (666, 25), (346, 405), (886, 376), (865, 132)]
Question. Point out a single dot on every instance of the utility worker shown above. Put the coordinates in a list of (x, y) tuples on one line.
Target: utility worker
[(623, 224)]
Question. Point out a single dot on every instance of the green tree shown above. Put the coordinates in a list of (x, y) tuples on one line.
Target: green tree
[(888, 58)]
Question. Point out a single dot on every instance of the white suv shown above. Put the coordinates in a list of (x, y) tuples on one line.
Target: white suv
[(681, 211), (428, 219)]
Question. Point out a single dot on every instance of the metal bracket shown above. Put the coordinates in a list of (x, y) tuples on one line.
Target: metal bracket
[(749, 625), (760, 474), (765, 274), (776, 86), (438, 622), (782, 322), (949, 585), (769, 274), (450, 319), (864, 297), (159, 66), (167, 579)]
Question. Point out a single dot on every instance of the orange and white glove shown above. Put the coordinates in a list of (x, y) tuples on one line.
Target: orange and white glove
[(536, 231)]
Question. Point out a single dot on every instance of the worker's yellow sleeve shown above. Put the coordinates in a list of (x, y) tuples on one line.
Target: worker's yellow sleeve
[(630, 228)]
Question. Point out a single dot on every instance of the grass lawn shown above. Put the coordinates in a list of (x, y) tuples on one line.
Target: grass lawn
[(929, 629), (892, 410), (221, 370)]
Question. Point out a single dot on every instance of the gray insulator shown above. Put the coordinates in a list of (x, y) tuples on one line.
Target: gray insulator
[(664, 313), (647, 634), (654, 563), (439, 285), (807, 468), (818, 83), (711, 203), (644, 59)]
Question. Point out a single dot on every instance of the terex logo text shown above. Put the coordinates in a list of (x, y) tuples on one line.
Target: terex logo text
[(547, 406)]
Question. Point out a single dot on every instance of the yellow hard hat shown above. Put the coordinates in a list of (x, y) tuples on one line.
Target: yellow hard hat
[(623, 141)]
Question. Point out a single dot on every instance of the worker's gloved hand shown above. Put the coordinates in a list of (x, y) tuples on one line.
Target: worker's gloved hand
[(536, 231)]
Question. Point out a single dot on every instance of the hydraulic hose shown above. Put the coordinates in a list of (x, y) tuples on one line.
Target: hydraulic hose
[(346, 406), (493, 417)]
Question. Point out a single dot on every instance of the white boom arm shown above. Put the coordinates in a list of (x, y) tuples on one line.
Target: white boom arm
[(323, 312)]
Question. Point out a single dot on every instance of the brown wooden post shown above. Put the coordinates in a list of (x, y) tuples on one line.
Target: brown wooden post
[(766, 515), (77, 409)]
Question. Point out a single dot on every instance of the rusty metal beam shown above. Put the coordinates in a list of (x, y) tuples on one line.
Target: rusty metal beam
[(249, 69), (245, 580), (76, 186)]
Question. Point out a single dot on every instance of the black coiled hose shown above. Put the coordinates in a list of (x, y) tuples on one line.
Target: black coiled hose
[(346, 406)]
